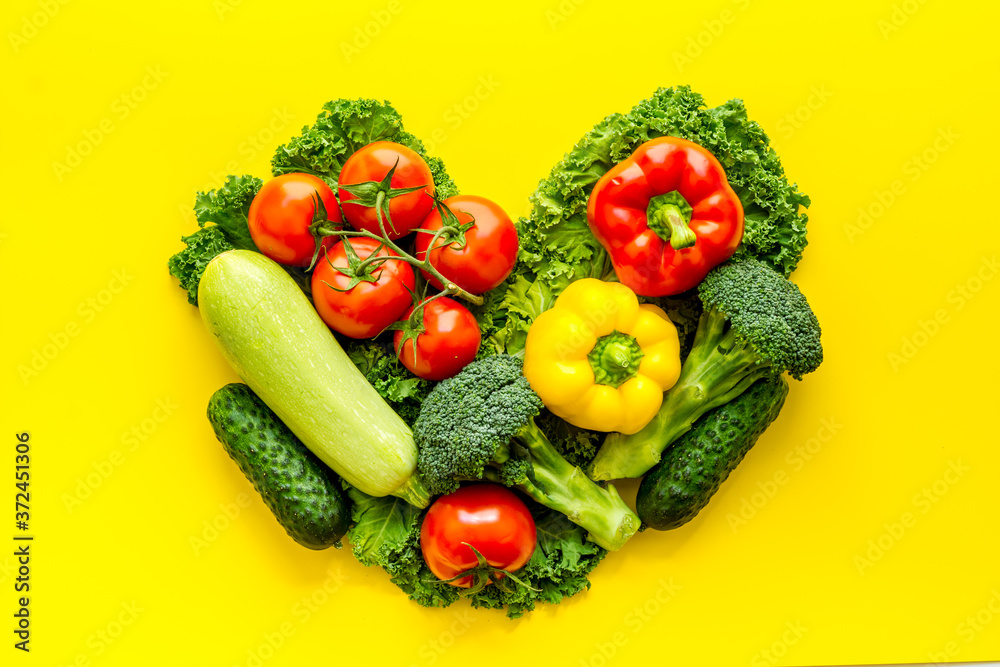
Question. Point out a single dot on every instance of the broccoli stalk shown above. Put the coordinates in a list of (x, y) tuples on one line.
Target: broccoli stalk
[(480, 424), (551, 480), (755, 323)]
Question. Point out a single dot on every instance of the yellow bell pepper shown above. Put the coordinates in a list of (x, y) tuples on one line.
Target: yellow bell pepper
[(600, 360)]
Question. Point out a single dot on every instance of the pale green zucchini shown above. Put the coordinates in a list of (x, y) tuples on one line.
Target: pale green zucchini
[(272, 337)]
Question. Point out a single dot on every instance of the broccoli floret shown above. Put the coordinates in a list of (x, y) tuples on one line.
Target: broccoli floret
[(480, 424), (755, 323), (514, 472)]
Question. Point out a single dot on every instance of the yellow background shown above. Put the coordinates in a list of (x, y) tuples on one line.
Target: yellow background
[(881, 547)]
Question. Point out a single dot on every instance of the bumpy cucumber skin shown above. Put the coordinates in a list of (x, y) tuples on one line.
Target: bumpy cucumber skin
[(303, 494), (695, 466)]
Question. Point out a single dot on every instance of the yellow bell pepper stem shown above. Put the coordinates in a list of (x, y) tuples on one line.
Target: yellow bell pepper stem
[(615, 359), (600, 360)]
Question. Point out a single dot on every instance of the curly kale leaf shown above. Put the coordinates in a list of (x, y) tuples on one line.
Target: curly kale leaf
[(190, 263), (226, 209), (563, 558), (386, 533), (577, 445), (343, 127), (684, 310), (403, 391), (557, 247)]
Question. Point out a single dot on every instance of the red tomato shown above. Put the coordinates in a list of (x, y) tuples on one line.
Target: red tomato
[(450, 340), (369, 307), (281, 213), (491, 518), (490, 248), (372, 163)]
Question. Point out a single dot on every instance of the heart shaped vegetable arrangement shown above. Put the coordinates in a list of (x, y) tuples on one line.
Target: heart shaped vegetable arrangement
[(408, 351)]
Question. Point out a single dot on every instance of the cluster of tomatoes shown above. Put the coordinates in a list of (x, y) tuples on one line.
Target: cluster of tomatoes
[(368, 242)]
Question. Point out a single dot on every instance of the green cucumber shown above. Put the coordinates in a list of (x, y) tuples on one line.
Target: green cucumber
[(303, 494), (272, 337), (697, 464)]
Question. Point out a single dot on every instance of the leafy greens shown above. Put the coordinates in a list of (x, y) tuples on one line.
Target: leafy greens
[(227, 208), (557, 247), (343, 127)]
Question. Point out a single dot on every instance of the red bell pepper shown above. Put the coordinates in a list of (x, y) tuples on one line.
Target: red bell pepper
[(666, 215)]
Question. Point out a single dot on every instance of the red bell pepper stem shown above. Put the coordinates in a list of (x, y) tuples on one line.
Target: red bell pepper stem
[(670, 224)]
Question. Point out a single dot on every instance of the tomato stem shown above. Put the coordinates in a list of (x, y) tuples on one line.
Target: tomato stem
[(357, 270), (321, 229), (450, 222), (450, 288), (484, 574), (413, 325), (448, 233)]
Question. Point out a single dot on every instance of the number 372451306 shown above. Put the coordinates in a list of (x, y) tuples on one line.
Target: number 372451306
[(22, 476)]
